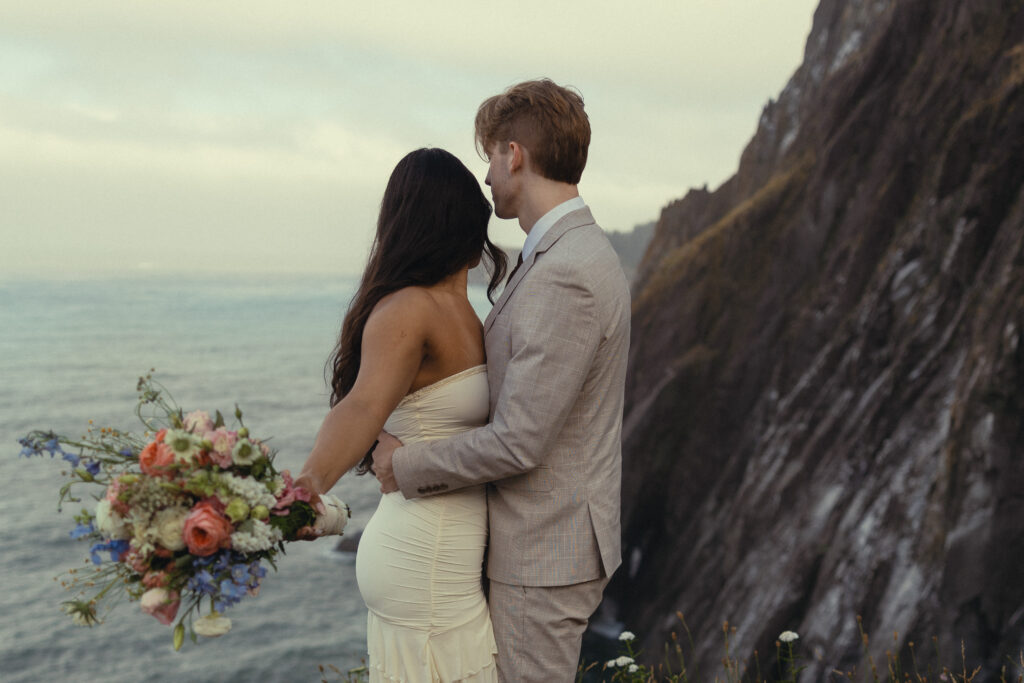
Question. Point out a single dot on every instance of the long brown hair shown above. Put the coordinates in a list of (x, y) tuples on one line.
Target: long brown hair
[(433, 222)]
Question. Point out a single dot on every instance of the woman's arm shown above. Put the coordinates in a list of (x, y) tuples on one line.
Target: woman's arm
[(392, 349)]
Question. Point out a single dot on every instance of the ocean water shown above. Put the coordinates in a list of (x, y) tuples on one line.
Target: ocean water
[(71, 351)]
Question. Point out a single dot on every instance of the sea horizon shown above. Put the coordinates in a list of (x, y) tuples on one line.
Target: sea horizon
[(71, 350)]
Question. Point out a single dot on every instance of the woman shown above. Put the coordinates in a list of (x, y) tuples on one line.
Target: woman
[(410, 359)]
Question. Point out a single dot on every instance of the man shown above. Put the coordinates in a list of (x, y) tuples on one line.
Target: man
[(556, 341)]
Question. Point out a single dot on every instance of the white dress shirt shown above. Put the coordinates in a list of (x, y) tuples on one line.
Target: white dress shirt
[(545, 222)]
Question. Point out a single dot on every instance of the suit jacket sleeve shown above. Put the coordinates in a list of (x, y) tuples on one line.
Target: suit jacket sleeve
[(554, 334)]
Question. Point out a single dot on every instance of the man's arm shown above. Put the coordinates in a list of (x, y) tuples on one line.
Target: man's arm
[(553, 336)]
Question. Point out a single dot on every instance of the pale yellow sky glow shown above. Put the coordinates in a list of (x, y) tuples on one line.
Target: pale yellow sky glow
[(258, 136)]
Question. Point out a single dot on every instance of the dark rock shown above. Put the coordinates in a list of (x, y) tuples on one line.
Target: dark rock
[(349, 543), (825, 403)]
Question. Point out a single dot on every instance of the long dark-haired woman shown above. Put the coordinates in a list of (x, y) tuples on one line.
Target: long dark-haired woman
[(410, 359)]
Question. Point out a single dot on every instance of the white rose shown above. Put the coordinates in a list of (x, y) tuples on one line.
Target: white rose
[(212, 625), (154, 599), (169, 524), (109, 523)]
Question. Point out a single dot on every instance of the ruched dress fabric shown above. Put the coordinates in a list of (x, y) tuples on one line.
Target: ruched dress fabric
[(420, 561)]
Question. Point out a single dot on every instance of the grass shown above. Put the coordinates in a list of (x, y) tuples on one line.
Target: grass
[(675, 666)]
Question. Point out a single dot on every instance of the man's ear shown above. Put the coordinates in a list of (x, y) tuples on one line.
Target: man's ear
[(516, 157)]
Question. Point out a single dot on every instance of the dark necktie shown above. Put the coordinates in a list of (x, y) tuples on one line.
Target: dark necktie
[(512, 274)]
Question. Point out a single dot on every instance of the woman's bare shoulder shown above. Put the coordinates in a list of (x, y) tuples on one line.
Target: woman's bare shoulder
[(406, 307)]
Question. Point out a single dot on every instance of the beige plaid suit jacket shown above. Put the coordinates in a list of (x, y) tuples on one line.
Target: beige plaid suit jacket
[(557, 341)]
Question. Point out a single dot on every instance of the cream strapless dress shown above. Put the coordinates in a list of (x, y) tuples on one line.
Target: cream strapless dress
[(419, 561)]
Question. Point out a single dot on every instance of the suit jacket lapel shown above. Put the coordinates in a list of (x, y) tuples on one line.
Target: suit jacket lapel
[(574, 219)]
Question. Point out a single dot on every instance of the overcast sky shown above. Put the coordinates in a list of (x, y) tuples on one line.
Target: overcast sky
[(258, 136)]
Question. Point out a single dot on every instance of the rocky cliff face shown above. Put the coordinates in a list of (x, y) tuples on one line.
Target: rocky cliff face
[(825, 404)]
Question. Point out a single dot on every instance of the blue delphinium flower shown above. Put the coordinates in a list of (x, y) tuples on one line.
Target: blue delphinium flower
[(202, 582), (127, 452), (231, 593), (82, 530), (71, 458), (116, 547), (92, 467), (30, 447)]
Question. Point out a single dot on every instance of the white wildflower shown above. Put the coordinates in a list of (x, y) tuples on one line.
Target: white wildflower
[(248, 489), (184, 445), (144, 535), (788, 636), (245, 452), (623, 661), (633, 668), (610, 664), (168, 527), (276, 485), (82, 613), (627, 635), (256, 536), (109, 523), (212, 625)]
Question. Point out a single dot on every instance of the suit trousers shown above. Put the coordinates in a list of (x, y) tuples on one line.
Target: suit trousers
[(539, 629)]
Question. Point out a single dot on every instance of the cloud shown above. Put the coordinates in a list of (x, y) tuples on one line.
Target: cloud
[(268, 129)]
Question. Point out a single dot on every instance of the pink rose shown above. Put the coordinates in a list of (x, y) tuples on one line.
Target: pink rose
[(288, 494), (206, 528), (155, 579), (113, 495), (223, 441), (155, 459), (161, 603), (198, 422), (137, 562)]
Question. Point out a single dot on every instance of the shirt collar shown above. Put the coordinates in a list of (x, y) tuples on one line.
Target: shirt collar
[(545, 222)]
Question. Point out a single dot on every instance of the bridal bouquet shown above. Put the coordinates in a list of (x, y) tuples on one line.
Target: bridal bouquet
[(184, 514)]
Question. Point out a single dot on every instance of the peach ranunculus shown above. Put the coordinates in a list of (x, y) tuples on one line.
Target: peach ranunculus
[(156, 459), (206, 528), (161, 603), (223, 441)]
